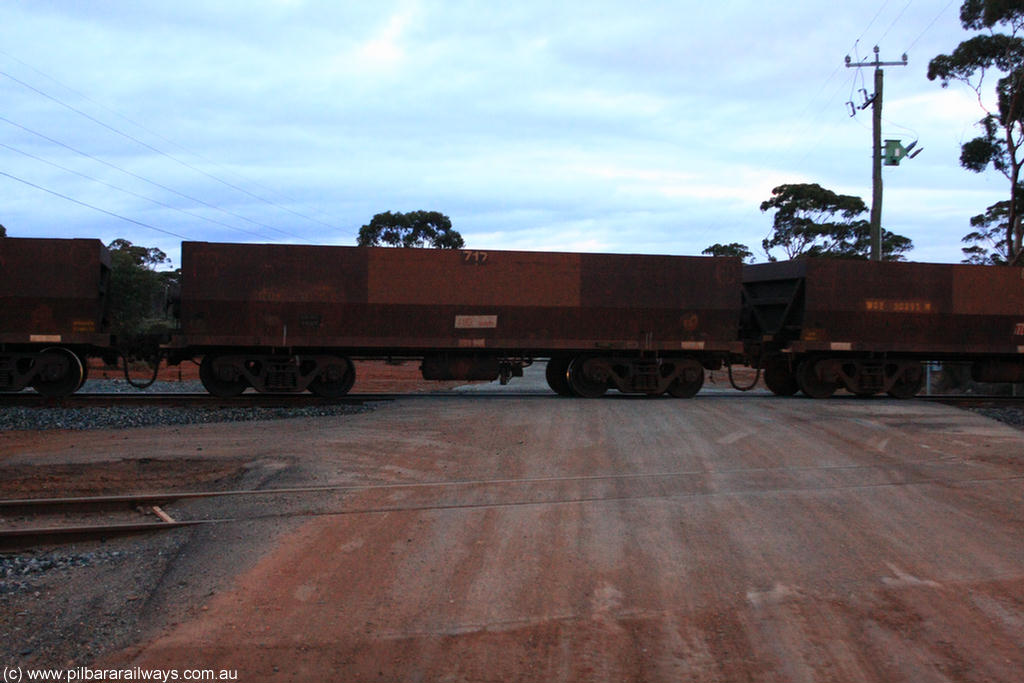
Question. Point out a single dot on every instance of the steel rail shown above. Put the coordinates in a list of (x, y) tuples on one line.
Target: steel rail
[(14, 505), (959, 400), (28, 537), (184, 400)]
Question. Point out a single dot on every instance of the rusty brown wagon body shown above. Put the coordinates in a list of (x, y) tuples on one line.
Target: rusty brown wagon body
[(818, 324), (262, 311), (53, 298)]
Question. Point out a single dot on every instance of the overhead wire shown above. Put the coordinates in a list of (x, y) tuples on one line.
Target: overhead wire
[(127, 191), (871, 23), (896, 20), (150, 147), (130, 173), (92, 206), (929, 26), (170, 142)]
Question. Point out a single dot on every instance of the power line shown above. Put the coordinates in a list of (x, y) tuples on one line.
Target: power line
[(871, 23), (171, 142), (136, 176), (154, 149), (894, 21), (90, 206), (929, 26), (129, 192)]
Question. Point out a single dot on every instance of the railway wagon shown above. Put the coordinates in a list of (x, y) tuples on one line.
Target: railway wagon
[(820, 324), (53, 303), (292, 318)]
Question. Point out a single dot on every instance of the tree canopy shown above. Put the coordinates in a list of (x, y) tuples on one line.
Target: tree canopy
[(1002, 127), (987, 242), (732, 249), (413, 229), (813, 221), (137, 293), (149, 257), (3, 231)]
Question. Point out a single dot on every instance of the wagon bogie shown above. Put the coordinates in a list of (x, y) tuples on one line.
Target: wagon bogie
[(591, 376), (52, 371), (228, 373), (821, 376)]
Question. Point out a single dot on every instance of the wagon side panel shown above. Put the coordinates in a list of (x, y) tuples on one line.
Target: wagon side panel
[(53, 291)]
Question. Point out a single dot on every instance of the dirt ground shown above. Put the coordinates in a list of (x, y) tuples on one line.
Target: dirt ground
[(725, 538)]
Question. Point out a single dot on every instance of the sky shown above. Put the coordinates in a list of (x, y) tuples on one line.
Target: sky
[(640, 127)]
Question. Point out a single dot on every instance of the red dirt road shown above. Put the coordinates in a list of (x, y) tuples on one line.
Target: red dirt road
[(718, 539)]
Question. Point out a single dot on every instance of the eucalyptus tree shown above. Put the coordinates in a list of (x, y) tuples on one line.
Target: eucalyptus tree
[(810, 220), (412, 229), (997, 49)]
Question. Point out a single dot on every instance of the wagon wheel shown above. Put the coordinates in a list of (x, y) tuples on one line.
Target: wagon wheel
[(810, 383), (689, 381), (224, 382), (62, 378), (779, 378), (335, 380), (909, 382), (583, 383), (557, 374)]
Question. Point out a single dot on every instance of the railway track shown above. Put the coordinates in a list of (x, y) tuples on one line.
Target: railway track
[(970, 401), (191, 400), (102, 517), (86, 518), (202, 400), (251, 400)]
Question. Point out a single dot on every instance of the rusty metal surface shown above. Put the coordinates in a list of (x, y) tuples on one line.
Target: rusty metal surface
[(904, 307), (363, 298), (53, 290)]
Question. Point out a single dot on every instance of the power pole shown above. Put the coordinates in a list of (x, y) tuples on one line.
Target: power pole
[(876, 159)]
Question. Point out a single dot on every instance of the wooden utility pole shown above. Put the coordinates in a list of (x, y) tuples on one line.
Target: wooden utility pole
[(876, 158)]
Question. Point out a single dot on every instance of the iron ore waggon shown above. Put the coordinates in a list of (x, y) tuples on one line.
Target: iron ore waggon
[(816, 325), (292, 318), (53, 302)]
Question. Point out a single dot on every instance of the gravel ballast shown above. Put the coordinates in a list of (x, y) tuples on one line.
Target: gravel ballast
[(21, 418), (1010, 415), (120, 417)]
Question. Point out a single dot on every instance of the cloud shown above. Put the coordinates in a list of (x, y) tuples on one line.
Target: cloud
[(384, 50), (651, 126)]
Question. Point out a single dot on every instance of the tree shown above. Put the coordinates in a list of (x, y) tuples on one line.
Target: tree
[(987, 245), (137, 291), (413, 229), (148, 257), (3, 231), (813, 221), (731, 249), (1002, 127)]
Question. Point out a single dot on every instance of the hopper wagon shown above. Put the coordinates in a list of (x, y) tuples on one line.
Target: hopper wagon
[(293, 317)]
